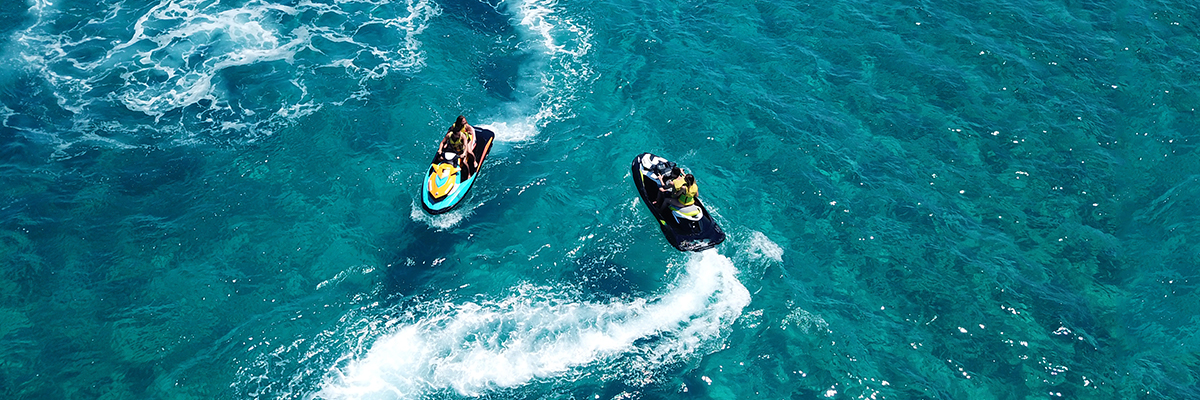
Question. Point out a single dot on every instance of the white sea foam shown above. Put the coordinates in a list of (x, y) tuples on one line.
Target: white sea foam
[(513, 131), (540, 333), (546, 89), (442, 221), (5, 114), (168, 37), (174, 61), (761, 246), (342, 275), (177, 54), (805, 320)]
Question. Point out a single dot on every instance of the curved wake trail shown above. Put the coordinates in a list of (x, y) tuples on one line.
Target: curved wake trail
[(550, 79), (539, 334), (546, 86)]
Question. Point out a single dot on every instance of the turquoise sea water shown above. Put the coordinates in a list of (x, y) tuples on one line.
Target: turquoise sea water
[(217, 199)]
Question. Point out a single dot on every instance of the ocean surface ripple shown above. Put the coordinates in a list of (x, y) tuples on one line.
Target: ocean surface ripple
[(218, 199)]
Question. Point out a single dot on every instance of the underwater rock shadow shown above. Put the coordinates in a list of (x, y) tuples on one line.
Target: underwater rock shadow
[(411, 255)]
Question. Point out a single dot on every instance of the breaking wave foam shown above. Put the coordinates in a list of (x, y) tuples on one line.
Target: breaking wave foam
[(551, 78), (535, 335), (214, 65), (538, 333)]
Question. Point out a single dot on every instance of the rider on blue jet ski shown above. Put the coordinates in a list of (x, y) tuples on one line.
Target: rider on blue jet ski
[(460, 140)]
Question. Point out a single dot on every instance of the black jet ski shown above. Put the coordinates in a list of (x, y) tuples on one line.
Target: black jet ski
[(688, 229), (449, 180)]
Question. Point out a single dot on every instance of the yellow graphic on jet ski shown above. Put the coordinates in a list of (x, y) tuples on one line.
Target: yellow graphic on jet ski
[(442, 179)]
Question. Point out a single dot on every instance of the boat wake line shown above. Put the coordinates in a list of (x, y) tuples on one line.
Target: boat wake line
[(539, 334)]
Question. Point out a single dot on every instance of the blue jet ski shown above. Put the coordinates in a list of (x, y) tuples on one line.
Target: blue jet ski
[(450, 177), (690, 228)]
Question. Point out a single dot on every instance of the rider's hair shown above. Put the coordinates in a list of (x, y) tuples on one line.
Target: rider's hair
[(459, 124), (672, 174)]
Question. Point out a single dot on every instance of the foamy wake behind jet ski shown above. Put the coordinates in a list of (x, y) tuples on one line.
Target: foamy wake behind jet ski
[(688, 228)]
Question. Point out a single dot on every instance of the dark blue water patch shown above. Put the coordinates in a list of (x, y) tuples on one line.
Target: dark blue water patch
[(259, 86), (75, 15), (646, 52), (376, 33), (997, 157), (905, 124), (410, 254), (197, 58), (24, 266), (24, 381), (85, 53), (142, 171), (818, 193), (32, 103), (363, 138), (499, 74), (50, 187), (17, 152), (13, 15), (602, 280), (486, 16), (13, 206)]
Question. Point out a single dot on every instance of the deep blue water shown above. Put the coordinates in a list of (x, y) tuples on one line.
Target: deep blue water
[(217, 199)]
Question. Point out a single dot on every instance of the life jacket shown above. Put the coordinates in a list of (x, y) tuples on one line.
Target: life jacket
[(457, 141), (687, 193), (688, 197), (466, 133)]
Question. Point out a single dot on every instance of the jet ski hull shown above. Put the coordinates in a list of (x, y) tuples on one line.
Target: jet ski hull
[(683, 234), (447, 183)]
